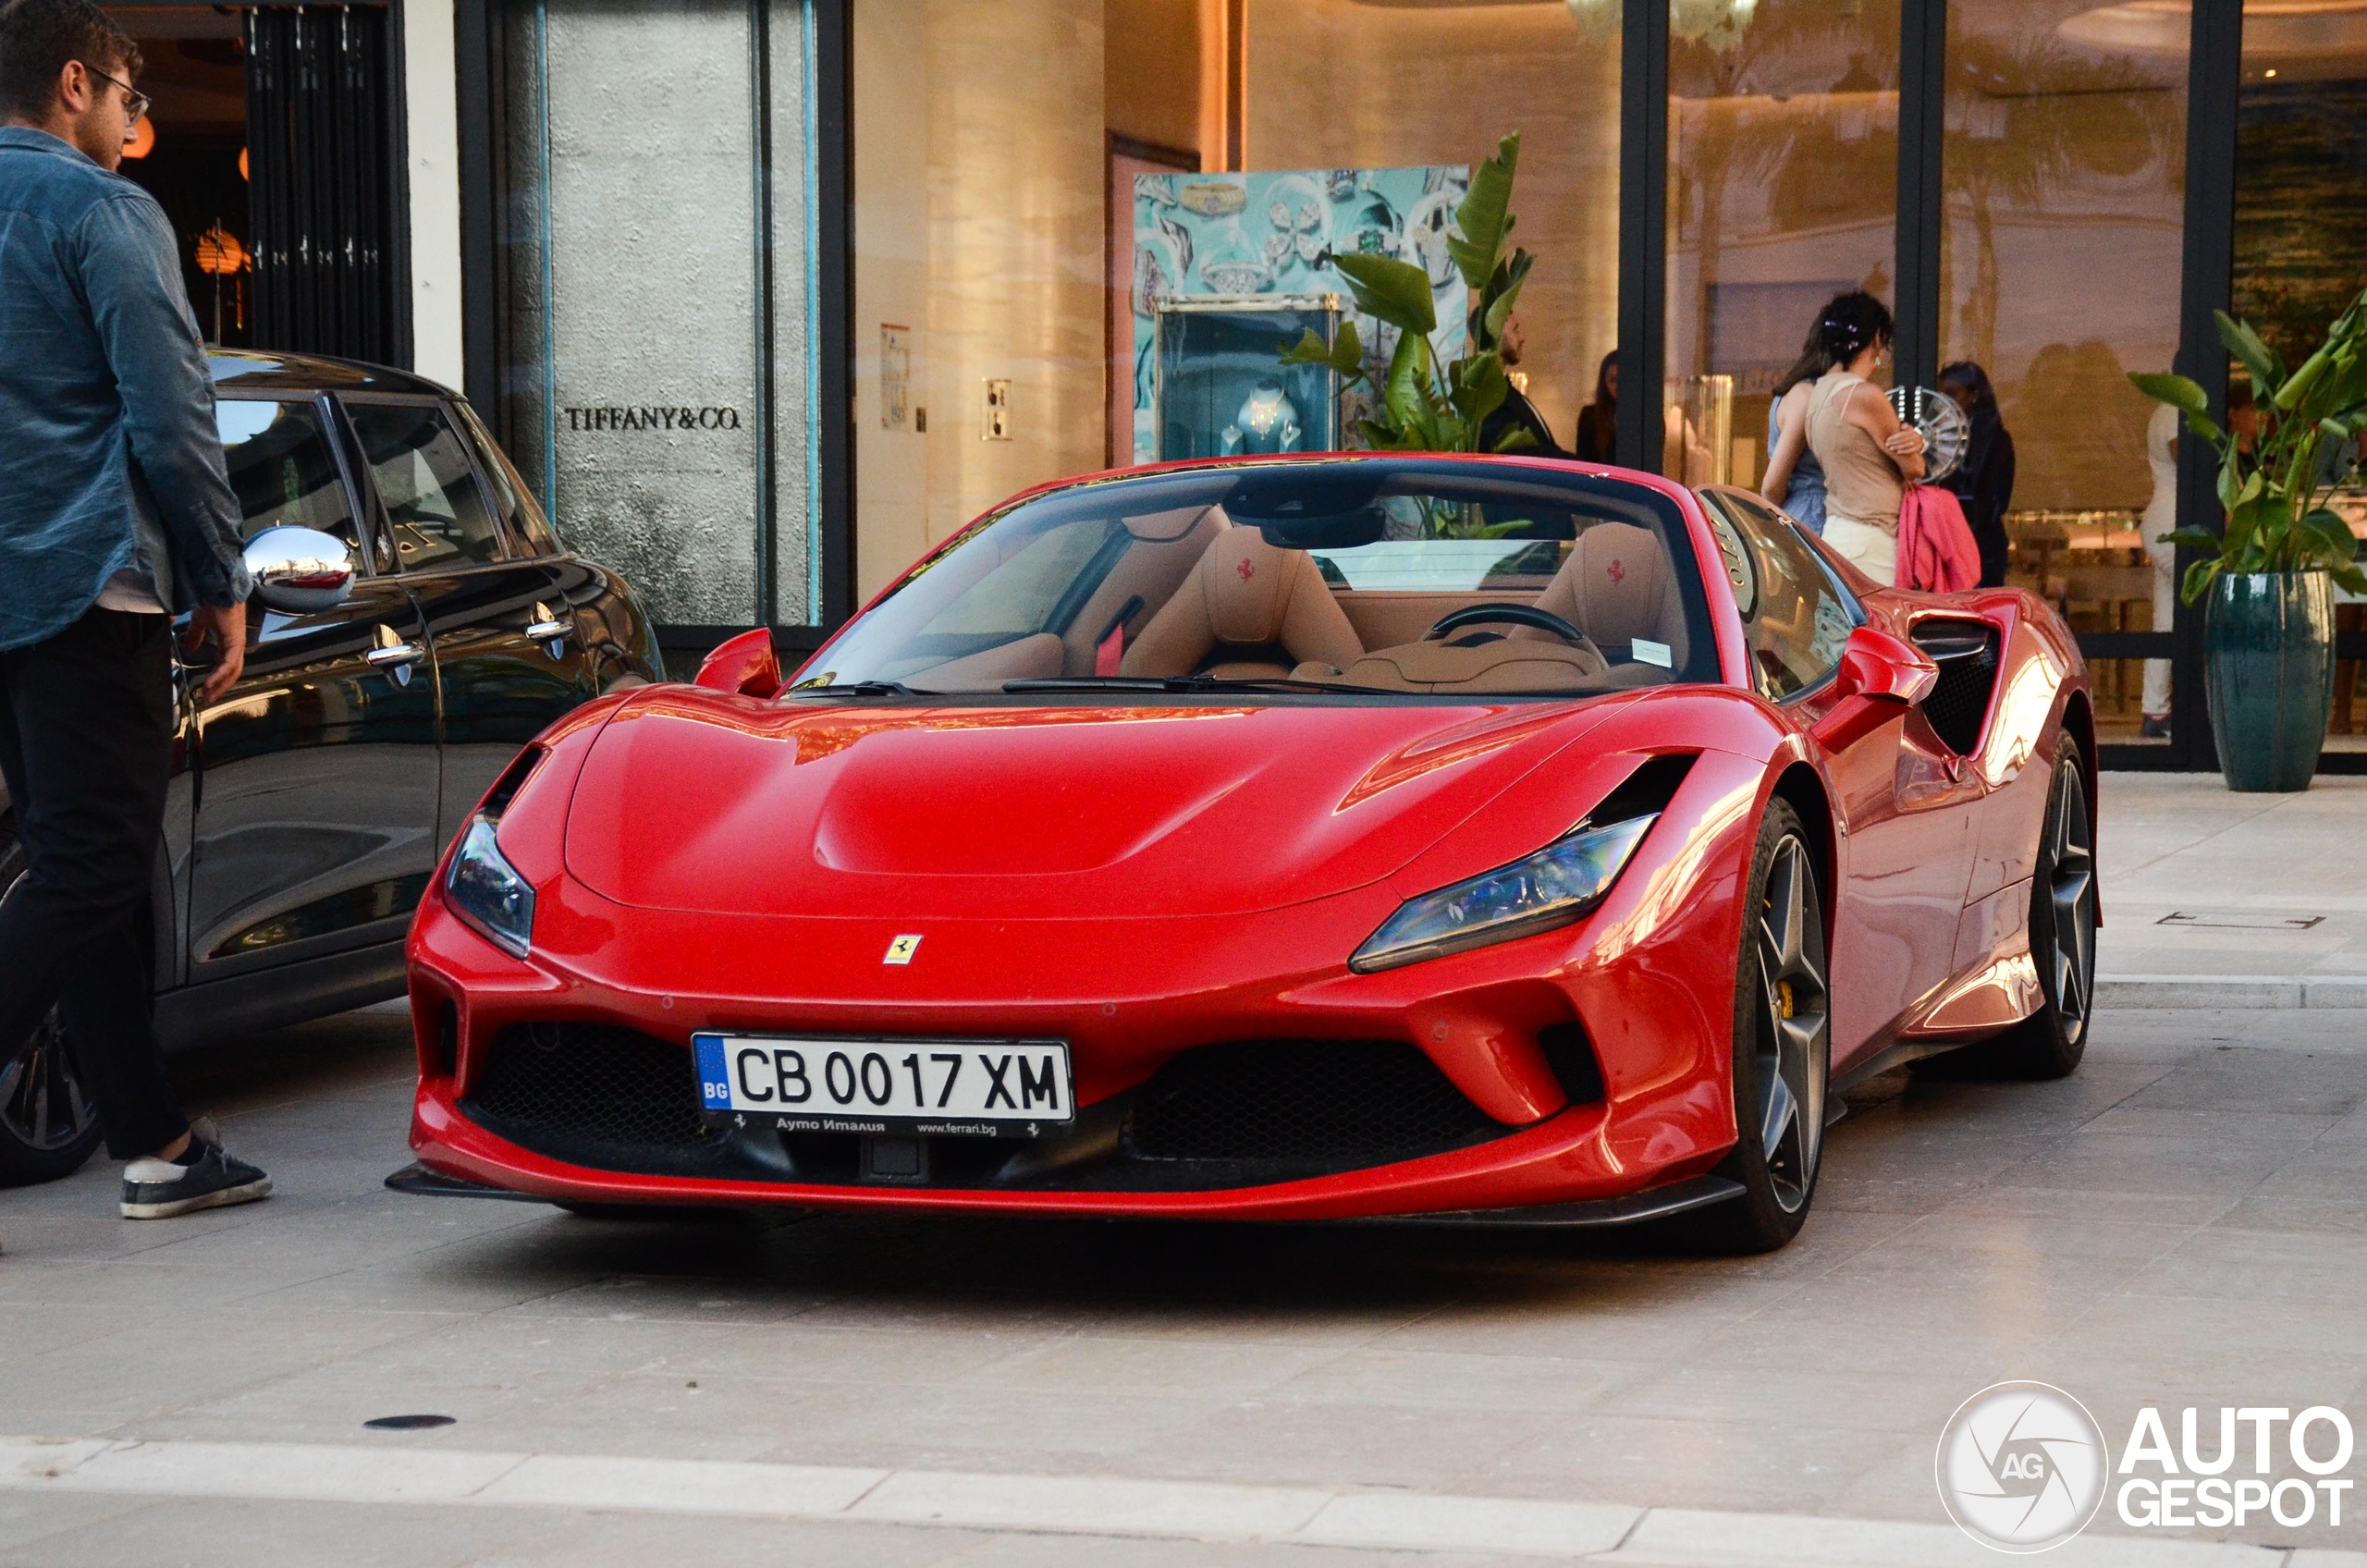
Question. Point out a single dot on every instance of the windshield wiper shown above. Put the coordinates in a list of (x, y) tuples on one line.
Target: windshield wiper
[(861, 689), (1189, 683)]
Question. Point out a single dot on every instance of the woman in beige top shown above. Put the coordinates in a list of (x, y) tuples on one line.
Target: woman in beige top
[(1869, 457)]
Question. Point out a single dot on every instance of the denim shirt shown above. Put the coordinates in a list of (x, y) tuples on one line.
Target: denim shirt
[(106, 406)]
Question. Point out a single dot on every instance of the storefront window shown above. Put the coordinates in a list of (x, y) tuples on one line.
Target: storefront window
[(1083, 227), (1783, 137), (2300, 228), (2063, 171), (654, 256)]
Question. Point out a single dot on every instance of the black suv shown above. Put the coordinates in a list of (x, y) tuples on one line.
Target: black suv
[(415, 622)]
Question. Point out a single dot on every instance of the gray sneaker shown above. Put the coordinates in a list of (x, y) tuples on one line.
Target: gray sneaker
[(206, 1176)]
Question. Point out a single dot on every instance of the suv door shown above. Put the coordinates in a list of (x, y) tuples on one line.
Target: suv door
[(314, 830), (503, 638)]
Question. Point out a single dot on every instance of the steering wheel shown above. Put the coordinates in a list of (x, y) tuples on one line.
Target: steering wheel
[(1525, 615)]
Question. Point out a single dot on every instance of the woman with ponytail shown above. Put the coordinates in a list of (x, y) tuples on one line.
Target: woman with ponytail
[(1868, 457)]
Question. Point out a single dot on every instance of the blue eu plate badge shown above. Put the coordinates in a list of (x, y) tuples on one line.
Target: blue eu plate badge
[(714, 1083)]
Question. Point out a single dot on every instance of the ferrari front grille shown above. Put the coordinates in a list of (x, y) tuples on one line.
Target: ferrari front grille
[(1341, 1103), (592, 1094)]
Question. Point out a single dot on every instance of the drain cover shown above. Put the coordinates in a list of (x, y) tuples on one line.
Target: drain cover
[(407, 1423), (2240, 919)]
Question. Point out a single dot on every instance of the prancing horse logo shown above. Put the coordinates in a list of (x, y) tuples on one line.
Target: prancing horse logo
[(900, 950)]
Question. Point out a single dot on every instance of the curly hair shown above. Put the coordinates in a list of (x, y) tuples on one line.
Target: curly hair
[(1850, 323)]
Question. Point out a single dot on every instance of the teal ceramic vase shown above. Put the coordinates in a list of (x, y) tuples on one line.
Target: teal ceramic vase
[(2269, 641)]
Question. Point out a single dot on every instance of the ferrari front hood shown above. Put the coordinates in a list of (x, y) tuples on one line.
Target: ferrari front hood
[(732, 806)]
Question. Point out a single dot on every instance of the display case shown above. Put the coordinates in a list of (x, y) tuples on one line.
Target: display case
[(1219, 387)]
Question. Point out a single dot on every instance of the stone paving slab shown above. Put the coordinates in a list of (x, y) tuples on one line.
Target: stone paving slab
[(2184, 844)]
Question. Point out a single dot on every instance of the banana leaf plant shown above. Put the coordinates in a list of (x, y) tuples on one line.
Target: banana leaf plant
[(1426, 406), (2276, 483)]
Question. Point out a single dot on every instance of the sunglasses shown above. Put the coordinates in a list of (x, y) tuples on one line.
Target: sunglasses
[(135, 105)]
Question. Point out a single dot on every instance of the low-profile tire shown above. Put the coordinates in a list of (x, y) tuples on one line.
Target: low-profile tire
[(2049, 1042), (48, 1125), (1783, 1041)]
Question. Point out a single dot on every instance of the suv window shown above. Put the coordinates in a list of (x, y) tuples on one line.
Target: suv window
[(283, 470), (438, 514), (528, 529), (1795, 617)]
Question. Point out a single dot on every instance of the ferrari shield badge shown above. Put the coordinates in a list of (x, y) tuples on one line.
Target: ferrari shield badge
[(900, 950)]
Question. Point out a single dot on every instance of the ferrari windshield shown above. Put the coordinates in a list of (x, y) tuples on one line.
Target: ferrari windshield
[(1393, 574)]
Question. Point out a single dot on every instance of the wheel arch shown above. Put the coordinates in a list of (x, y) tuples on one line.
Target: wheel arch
[(1800, 786), (2079, 723)]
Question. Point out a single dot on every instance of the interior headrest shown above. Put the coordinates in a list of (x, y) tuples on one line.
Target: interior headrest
[(1249, 584), (1622, 577)]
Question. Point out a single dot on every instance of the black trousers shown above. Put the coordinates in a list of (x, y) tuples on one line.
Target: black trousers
[(86, 747)]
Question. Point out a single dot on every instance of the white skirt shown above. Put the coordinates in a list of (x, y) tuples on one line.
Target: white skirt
[(1865, 546)]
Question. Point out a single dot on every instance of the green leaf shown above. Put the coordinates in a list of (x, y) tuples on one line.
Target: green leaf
[(1480, 389), (1345, 355), (1390, 290), (1518, 439), (2197, 581), (2176, 390), (2350, 580), (1503, 291), (2245, 344), (2332, 535), (2193, 539), (1407, 393), (2200, 425), (2291, 395), (1485, 216)]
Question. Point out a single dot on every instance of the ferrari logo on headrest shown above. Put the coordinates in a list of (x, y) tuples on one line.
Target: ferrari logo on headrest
[(900, 950), (1616, 571), (1246, 570)]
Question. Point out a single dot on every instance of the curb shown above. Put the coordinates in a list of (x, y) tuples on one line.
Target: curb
[(2237, 991)]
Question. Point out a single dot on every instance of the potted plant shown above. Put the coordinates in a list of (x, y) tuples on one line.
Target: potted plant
[(2269, 631), (1426, 406)]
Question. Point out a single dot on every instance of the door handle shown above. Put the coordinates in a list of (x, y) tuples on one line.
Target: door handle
[(543, 631), (394, 656)]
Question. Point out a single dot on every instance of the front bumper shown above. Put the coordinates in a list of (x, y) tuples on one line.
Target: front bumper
[(1648, 978)]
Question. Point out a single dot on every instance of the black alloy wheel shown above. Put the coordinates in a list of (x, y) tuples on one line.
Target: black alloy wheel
[(2049, 1043), (1782, 1043), (48, 1126)]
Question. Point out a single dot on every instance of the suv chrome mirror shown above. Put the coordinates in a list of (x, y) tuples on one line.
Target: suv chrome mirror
[(300, 570)]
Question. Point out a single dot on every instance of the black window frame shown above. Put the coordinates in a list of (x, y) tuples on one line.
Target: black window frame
[(364, 475)]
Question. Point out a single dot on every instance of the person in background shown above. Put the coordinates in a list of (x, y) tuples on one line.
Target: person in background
[(1869, 457), (1984, 482), (1516, 413), (1795, 480), (1599, 421), (115, 509)]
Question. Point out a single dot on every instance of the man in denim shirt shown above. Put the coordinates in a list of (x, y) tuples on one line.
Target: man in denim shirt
[(115, 509)]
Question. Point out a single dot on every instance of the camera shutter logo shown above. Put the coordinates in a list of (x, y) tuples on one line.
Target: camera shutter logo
[(2022, 1467)]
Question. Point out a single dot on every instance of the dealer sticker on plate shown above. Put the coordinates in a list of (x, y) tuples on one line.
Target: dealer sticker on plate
[(974, 1088)]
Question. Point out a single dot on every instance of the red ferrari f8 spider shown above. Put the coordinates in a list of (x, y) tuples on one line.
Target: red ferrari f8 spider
[(1472, 838)]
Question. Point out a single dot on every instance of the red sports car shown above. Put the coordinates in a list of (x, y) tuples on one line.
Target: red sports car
[(1472, 839)]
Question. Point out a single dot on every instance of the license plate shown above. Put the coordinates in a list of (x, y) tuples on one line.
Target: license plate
[(966, 1088)]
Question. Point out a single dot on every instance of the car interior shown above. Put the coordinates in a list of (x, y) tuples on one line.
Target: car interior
[(1399, 583)]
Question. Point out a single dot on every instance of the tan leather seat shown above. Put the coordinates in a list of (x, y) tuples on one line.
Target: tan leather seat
[(1618, 586), (1248, 608)]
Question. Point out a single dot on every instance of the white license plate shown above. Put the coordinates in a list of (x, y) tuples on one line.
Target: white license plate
[(974, 1088)]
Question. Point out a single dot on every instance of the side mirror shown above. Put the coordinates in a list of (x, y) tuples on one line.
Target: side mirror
[(300, 570), (745, 664), (1875, 664), (1879, 675)]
